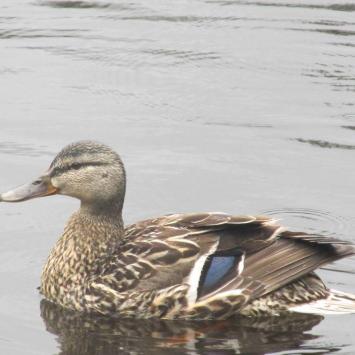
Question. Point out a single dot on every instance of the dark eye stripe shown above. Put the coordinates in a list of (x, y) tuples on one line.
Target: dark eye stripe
[(75, 166)]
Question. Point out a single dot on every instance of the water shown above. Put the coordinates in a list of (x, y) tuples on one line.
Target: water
[(235, 106)]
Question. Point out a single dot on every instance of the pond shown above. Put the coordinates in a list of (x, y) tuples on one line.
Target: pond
[(246, 107)]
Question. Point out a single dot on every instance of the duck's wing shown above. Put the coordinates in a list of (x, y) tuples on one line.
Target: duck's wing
[(234, 250), (218, 257)]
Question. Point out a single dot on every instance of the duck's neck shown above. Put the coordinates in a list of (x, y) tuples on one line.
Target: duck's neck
[(110, 211), (90, 235)]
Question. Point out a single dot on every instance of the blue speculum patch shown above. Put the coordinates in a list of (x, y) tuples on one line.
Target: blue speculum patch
[(218, 268)]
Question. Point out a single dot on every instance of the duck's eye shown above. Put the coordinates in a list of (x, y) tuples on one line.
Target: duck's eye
[(75, 166)]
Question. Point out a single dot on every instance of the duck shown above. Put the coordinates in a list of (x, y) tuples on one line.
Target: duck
[(189, 266)]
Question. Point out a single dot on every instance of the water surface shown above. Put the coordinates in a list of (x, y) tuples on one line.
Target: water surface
[(214, 105)]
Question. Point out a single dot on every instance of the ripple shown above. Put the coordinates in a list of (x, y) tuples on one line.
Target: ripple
[(234, 124), (39, 33), (343, 44), (313, 221), (333, 31), (348, 7), (27, 150), (349, 127), (183, 19), (76, 4), (337, 73), (183, 55), (350, 116), (8, 70), (83, 5), (337, 269), (326, 144)]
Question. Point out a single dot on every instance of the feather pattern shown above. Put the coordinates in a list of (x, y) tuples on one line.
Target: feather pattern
[(201, 266)]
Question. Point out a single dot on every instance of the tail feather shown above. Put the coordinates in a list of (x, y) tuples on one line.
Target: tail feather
[(336, 302)]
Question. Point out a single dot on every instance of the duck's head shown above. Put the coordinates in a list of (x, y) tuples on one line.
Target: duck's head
[(89, 171)]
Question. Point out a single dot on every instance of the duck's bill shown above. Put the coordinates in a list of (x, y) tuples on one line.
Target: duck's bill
[(38, 188)]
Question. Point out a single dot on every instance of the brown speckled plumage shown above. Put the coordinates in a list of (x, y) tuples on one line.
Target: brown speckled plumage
[(169, 267)]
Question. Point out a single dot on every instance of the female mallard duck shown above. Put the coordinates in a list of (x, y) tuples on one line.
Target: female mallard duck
[(191, 266)]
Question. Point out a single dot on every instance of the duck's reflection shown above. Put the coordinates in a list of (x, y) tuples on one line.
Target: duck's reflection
[(79, 334)]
